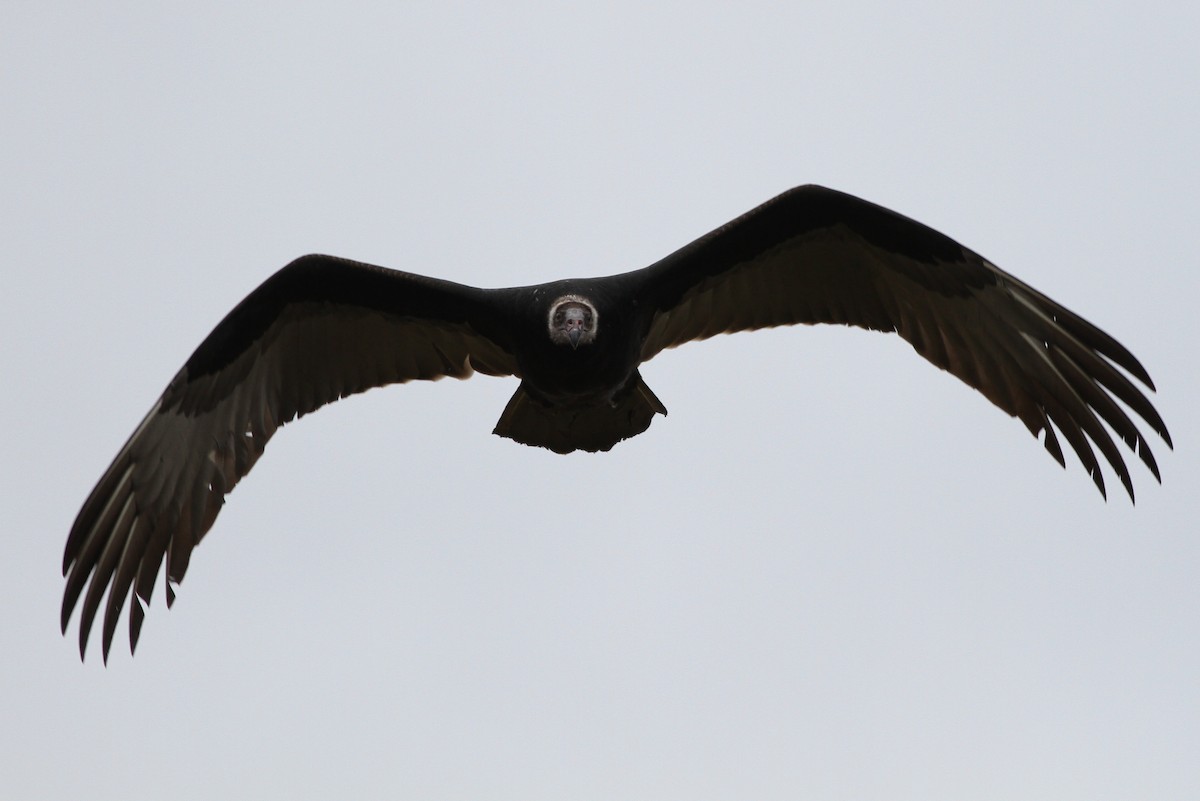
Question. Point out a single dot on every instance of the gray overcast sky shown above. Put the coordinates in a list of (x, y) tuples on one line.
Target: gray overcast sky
[(832, 572)]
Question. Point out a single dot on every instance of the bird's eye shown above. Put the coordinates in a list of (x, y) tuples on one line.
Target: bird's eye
[(587, 318), (558, 316)]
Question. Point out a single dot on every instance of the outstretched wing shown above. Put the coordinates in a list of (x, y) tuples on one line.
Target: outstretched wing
[(813, 255), (318, 330)]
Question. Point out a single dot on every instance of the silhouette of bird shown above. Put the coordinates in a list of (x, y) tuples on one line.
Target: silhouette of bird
[(323, 328)]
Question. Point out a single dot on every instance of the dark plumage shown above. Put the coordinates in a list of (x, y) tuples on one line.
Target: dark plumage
[(323, 328)]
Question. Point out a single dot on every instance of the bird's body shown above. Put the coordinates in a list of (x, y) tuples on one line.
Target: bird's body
[(323, 328)]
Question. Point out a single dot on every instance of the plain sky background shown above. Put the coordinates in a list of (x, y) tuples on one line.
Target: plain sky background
[(832, 572)]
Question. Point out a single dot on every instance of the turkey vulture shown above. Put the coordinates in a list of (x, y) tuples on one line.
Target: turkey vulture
[(323, 328)]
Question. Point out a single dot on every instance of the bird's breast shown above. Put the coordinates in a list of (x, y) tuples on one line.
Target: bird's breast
[(588, 375)]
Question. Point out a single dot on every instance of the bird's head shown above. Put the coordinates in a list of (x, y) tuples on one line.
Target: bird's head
[(573, 321)]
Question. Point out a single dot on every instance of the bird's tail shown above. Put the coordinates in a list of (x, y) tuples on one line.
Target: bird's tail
[(563, 429)]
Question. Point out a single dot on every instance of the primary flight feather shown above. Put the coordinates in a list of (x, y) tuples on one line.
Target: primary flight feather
[(323, 328)]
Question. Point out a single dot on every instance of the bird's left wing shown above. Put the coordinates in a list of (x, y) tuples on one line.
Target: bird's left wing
[(318, 330), (813, 255)]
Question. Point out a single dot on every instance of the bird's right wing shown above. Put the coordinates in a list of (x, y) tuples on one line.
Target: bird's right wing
[(318, 330), (813, 255)]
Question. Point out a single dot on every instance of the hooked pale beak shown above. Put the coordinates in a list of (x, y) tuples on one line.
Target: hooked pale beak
[(574, 335)]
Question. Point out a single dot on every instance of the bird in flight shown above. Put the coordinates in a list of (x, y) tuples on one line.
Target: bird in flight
[(323, 328)]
